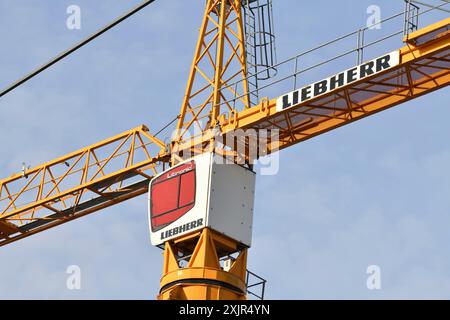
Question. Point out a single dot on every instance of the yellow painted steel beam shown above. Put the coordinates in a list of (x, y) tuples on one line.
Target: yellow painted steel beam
[(429, 33), (423, 69), (82, 182), (203, 278), (219, 59)]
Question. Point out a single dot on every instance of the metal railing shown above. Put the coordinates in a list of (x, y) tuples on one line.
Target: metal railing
[(259, 44), (296, 67), (255, 282), (411, 17)]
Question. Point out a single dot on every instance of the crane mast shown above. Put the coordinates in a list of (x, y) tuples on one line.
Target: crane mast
[(200, 261), (219, 60)]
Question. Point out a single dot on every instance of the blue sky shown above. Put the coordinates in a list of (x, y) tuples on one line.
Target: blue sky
[(375, 192)]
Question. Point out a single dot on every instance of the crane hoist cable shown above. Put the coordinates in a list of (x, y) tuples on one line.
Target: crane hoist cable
[(75, 48)]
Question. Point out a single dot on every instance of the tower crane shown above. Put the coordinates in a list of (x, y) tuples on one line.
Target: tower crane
[(200, 211)]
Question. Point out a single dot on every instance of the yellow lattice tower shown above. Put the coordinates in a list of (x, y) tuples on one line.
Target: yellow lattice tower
[(219, 61)]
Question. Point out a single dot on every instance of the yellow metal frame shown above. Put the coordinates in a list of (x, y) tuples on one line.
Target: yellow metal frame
[(429, 33), (203, 278), (422, 70), (79, 183), (219, 59)]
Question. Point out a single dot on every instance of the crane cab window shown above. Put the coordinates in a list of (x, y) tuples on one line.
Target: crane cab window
[(172, 195)]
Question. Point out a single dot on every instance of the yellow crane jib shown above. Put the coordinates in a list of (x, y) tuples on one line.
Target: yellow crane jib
[(420, 70)]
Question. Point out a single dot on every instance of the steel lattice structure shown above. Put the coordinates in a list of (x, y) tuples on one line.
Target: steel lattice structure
[(216, 103)]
